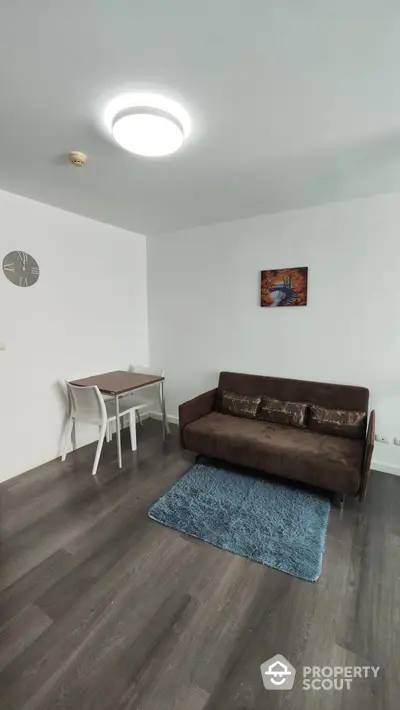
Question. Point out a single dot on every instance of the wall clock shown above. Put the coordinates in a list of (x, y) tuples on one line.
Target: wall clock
[(21, 268)]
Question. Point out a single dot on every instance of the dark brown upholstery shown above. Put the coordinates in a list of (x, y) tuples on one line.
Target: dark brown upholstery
[(369, 450), (324, 394), (285, 451), (336, 463), (277, 412), (240, 405), (338, 422), (197, 407)]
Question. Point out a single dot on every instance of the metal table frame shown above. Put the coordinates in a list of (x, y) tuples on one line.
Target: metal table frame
[(101, 382), (165, 425)]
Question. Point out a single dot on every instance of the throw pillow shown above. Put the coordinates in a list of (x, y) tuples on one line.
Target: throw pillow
[(240, 405), (280, 412), (338, 422)]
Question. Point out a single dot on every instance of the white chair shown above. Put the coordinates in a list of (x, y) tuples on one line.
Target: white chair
[(127, 402), (138, 403), (141, 399), (87, 405)]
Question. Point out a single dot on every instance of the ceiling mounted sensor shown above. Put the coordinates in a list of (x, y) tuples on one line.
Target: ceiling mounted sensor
[(148, 125), (77, 158)]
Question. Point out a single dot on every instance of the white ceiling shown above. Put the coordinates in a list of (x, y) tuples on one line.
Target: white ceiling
[(293, 102)]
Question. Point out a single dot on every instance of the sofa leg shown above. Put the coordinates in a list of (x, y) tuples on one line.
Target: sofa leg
[(339, 501), (362, 495)]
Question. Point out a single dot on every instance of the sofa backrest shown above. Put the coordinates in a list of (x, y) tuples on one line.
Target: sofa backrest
[(323, 394)]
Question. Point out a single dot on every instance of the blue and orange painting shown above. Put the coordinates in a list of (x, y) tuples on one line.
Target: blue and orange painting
[(284, 287)]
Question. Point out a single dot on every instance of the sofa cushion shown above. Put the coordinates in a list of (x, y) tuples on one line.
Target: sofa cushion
[(322, 393), (338, 422), (240, 405), (278, 412), (325, 461)]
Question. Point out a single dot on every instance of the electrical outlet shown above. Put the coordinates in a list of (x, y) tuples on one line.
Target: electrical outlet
[(381, 439), (396, 441)]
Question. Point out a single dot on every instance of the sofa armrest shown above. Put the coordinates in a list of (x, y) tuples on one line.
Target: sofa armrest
[(196, 408), (368, 451)]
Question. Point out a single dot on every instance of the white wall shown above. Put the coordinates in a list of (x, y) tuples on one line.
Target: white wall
[(86, 314), (205, 315)]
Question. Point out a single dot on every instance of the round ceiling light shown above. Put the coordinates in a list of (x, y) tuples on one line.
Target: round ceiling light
[(148, 131)]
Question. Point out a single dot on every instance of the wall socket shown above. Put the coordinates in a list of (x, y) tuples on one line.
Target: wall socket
[(383, 439), (396, 441)]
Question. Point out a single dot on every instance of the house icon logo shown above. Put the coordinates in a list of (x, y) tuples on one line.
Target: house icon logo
[(278, 674)]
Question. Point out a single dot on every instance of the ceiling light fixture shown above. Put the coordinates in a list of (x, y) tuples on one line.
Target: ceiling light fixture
[(148, 132), (147, 124)]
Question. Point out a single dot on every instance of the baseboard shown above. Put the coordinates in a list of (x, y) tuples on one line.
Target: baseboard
[(157, 415), (386, 468)]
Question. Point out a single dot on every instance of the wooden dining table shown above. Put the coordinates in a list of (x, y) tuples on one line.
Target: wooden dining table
[(120, 382)]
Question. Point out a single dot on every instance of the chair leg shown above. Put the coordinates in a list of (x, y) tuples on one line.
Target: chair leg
[(139, 418), (108, 433), (132, 429), (73, 435), (67, 433), (99, 448)]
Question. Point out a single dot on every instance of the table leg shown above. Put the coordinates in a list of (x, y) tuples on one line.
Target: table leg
[(164, 416), (118, 431)]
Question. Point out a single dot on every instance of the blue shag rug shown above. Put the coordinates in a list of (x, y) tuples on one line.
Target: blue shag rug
[(272, 523)]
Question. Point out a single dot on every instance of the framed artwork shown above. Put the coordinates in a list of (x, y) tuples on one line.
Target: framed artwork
[(284, 287)]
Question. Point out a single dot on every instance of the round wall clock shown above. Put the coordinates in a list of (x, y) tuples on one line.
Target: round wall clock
[(21, 268)]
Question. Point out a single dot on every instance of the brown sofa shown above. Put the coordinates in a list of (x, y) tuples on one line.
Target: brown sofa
[(334, 462)]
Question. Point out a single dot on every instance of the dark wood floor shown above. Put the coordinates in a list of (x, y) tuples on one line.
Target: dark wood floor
[(104, 609)]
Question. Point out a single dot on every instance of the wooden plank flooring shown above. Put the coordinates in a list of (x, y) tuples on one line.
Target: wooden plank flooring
[(103, 609)]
